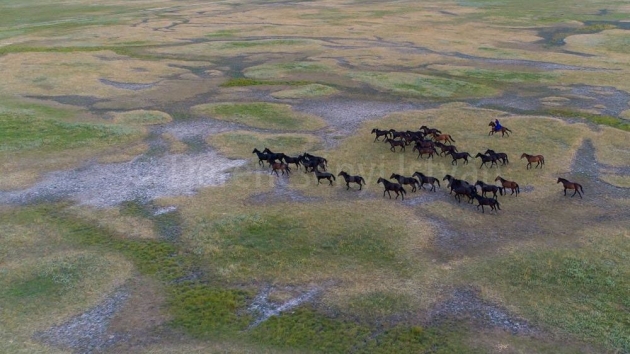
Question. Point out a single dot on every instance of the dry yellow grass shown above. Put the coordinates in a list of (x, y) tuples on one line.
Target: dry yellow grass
[(239, 144), (616, 180), (175, 145), (141, 117), (612, 146)]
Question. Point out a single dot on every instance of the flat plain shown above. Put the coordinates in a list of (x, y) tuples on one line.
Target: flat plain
[(134, 216)]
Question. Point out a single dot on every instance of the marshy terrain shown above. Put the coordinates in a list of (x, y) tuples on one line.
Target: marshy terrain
[(134, 216)]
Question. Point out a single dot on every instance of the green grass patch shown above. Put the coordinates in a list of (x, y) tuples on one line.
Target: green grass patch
[(306, 329), (205, 312), (405, 339), (260, 43), (506, 76), (243, 81), (423, 85), (36, 128), (306, 91), (294, 242), (142, 117), (591, 117), (583, 291), (261, 115), (240, 144), (274, 71)]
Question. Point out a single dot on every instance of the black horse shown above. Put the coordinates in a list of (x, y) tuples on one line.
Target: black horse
[(402, 180), (491, 202), (427, 179), (445, 148), (499, 155), (390, 186), (324, 175), (458, 156), (487, 158), (379, 133), (454, 182), (429, 131), (261, 157), (393, 143), (273, 155), (292, 160), (352, 179), (466, 190), (489, 188)]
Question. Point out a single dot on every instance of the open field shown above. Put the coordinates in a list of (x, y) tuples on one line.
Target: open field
[(134, 216)]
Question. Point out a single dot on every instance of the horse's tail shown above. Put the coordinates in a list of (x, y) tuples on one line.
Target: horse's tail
[(361, 179), (518, 189), (438, 182), (403, 190), (450, 137), (333, 176), (542, 159), (498, 205), (508, 129), (581, 189)]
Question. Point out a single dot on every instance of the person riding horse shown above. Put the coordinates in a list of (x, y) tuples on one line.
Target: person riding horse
[(497, 125)]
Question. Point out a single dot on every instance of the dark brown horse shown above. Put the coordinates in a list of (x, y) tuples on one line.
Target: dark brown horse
[(540, 159), (508, 184), (390, 186), (429, 131), (393, 143), (427, 179), (454, 182), (425, 150), (466, 190), (279, 166), (445, 148), (571, 185), (352, 179), (402, 180), (504, 131)]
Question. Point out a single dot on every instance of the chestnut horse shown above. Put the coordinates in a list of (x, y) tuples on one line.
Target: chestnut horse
[(446, 138), (571, 185), (540, 159), (508, 184)]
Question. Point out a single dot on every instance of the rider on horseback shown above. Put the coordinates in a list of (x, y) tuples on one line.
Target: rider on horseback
[(497, 125)]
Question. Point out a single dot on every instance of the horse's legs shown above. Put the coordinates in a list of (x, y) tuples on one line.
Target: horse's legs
[(348, 185), (330, 180), (565, 191), (573, 195), (360, 185)]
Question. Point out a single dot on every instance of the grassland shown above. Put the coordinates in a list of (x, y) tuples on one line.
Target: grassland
[(119, 81)]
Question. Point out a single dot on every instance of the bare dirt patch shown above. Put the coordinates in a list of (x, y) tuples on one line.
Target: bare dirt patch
[(145, 178)]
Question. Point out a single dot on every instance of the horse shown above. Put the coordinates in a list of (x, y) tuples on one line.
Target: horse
[(280, 166), (457, 156), (397, 134), (491, 202), (395, 143), (402, 180), (500, 156), (261, 156), (290, 160), (540, 159), (273, 155), (454, 182), (503, 130), (487, 158), (352, 179), (466, 190), (390, 186), (422, 151), (508, 184), (571, 185), (426, 179), (446, 138), (430, 131), (312, 164), (379, 133), (324, 175), (485, 188), (319, 159), (445, 148)]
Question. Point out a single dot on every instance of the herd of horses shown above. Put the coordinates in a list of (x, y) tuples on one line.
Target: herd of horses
[(425, 141)]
